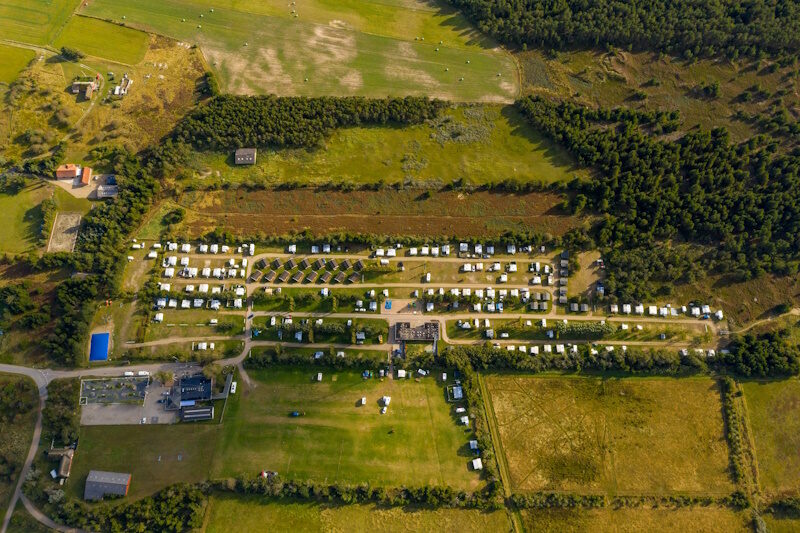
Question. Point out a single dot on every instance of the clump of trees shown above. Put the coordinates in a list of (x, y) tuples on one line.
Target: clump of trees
[(61, 414), (733, 428), (229, 122), (769, 354), (71, 54), (681, 27), (739, 201)]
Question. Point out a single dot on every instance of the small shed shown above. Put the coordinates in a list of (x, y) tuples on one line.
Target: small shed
[(245, 156), (477, 464)]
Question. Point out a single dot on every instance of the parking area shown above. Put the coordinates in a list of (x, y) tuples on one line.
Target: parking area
[(124, 401)]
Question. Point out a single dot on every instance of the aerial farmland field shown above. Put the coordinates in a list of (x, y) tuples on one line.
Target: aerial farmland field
[(34, 21), (615, 436), (12, 61), (103, 39), (359, 48), (773, 408)]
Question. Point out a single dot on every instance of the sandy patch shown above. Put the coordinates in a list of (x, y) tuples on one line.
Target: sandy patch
[(328, 44), (352, 80), (420, 77), (405, 50)]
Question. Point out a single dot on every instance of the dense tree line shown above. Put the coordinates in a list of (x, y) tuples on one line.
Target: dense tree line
[(74, 306), (740, 201), (61, 415), (228, 122), (733, 429), (685, 28), (175, 509), (633, 360), (769, 354)]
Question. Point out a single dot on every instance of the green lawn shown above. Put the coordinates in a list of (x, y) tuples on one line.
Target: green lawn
[(34, 21), (417, 442), (615, 436), (21, 218), (482, 144), (66, 202), (256, 514), (155, 455), (774, 412), (12, 61), (353, 47), (103, 39)]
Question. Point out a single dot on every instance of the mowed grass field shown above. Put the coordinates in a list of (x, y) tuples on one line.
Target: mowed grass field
[(103, 39), (256, 514), (664, 519), (361, 48), (416, 443), (478, 144), (155, 455), (12, 61), (34, 21), (774, 412), (613, 436)]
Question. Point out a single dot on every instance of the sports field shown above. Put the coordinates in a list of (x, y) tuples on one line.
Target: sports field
[(103, 39), (255, 514), (664, 519), (155, 455), (417, 442), (34, 21), (363, 48), (477, 144), (12, 61), (615, 436), (773, 408)]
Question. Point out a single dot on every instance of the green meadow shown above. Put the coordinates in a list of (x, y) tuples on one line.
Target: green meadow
[(12, 61), (103, 39), (34, 21), (359, 48), (480, 144)]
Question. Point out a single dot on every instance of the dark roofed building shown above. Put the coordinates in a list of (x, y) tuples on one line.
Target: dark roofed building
[(319, 263), (304, 263), (100, 484), (333, 264), (339, 278), (269, 276), (255, 276), (245, 156), (311, 278), (429, 331), (359, 265), (346, 264), (283, 276), (325, 277), (298, 277), (276, 263), (65, 462), (261, 264), (354, 278), (290, 264)]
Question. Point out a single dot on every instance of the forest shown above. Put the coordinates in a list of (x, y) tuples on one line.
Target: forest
[(739, 202), (229, 122), (685, 28)]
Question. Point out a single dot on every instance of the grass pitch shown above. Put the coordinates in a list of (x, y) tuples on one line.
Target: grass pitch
[(361, 48), (416, 443), (103, 39), (155, 455), (706, 519), (773, 408), (21, 218), (616, 436), (255, 514)]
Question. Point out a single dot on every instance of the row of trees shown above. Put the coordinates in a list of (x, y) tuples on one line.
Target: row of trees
[(740, 201), (770, 354), (228, 122), (681, 27)]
